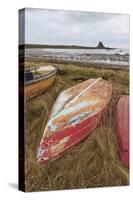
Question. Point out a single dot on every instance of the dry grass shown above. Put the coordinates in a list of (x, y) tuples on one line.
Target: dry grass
[(92, 163)]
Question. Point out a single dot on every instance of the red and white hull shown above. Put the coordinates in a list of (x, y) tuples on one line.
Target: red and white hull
[(75, 114)]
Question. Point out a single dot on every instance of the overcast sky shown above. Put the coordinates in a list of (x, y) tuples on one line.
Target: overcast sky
[(76, 28)]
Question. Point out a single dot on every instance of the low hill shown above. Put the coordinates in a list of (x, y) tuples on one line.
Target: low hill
[(99, 46)]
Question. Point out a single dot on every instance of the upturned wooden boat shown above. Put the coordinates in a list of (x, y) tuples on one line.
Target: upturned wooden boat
[(75, 114), (38, 80), (122, 128)]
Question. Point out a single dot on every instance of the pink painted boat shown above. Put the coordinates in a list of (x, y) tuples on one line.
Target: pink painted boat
[(75, 114), (122, 127)]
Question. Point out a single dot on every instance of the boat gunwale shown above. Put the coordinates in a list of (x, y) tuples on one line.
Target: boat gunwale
[(41, 78)]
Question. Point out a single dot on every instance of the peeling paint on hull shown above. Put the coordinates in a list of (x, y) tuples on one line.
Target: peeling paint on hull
[(75, 118), (122, 127)]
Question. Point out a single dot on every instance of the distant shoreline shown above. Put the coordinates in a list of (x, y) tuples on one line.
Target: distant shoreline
[(22, 46), (84, 64)]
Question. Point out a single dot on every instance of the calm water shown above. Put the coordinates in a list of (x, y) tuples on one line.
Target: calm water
[(112, 57)]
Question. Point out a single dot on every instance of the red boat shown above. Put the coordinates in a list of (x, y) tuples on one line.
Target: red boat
[(122, 125), (75, 114)]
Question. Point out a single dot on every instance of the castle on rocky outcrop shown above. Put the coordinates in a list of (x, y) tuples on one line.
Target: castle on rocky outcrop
[(101, 46)]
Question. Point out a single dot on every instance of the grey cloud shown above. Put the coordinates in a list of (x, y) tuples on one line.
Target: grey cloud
[(76, 27)]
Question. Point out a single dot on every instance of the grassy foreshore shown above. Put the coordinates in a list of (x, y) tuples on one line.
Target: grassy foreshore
[(92, 163), (36, 61)]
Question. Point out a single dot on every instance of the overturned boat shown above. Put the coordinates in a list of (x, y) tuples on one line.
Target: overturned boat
[(75, 114), (122, 128), (38, 80)]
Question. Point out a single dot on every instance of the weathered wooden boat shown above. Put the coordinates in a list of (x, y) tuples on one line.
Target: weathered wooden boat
[(75, 114), (122, 128), (38, 80)]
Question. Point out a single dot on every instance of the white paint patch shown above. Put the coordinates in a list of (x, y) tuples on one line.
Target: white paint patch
[(64, 140), (59, 104), (58, 145), (57, 107), (45, 68)]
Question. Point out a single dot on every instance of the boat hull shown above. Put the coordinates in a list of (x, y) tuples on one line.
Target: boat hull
[(38, 87), (75, 114), (55, 145), (122, 128)]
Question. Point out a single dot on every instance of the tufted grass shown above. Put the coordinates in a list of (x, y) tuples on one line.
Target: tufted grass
[(92, 163)]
